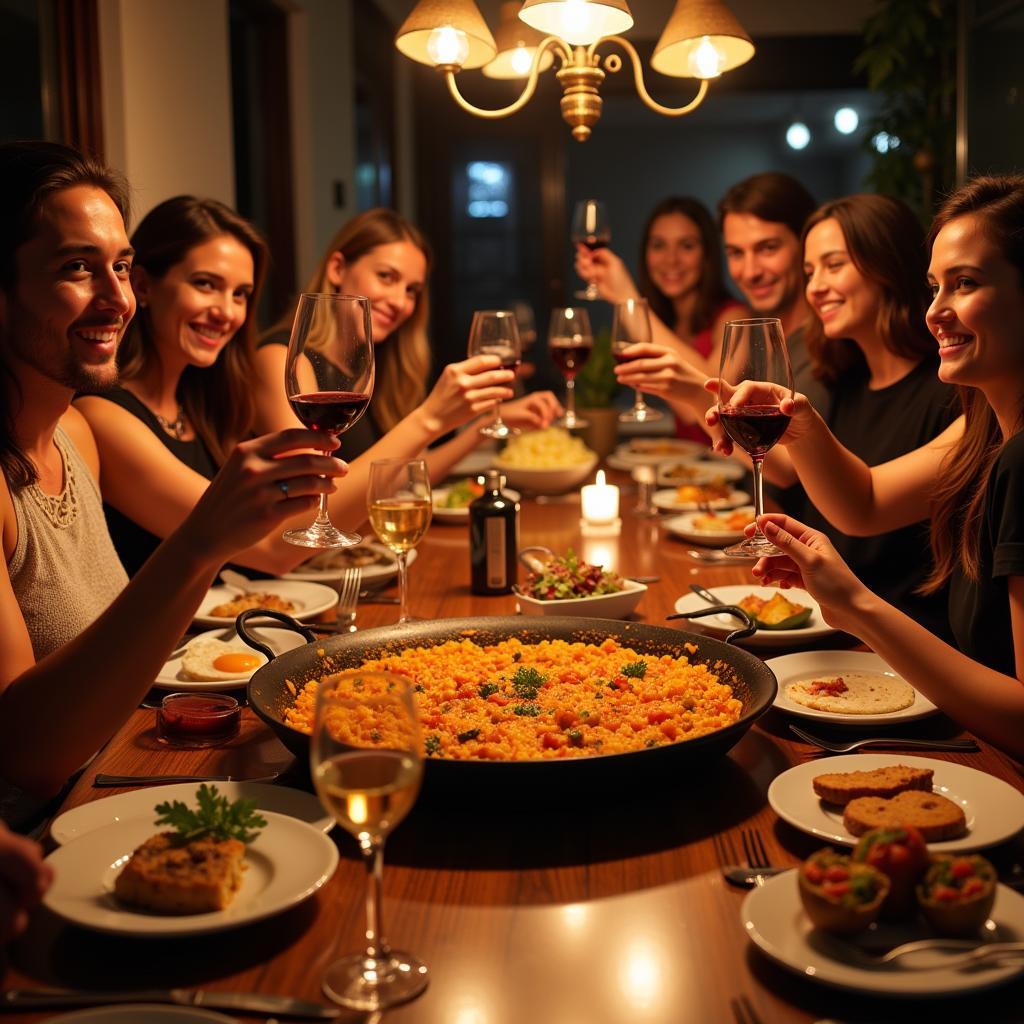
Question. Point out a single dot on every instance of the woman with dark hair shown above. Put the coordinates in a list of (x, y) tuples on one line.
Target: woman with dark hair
[(383, 256), (969, 480), (864, 260), (680, 275)]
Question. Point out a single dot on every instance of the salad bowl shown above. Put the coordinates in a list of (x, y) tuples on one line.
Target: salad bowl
[(619, 605)]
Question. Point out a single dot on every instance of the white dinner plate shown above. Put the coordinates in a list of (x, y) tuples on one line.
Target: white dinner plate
[(329, 566), (280, 640), (807, 664), (309, 599), (287, 863), (684, 526), (141, 1013), (667, 501), (140, 803), (459, 515), (693, 470), (994, 809), (647, 451), (720, 625), (774, 919)]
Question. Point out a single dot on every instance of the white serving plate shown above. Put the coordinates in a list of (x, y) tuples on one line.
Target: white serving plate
[(666, 501), (721, 625), (310, 599), (792, 667), (648, 451), (619, 605), (774, 920), (139, 803), (699, 471), (683, 526), (993, 808), (287, 863), (459, 515)]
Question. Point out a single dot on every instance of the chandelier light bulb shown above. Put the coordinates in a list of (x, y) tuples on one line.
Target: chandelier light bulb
[(846, 120), (705, 61), (798, 135), (448, 45), (522, 58)]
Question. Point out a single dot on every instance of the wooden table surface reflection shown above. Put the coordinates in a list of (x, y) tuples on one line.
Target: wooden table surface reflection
[(604, 908)]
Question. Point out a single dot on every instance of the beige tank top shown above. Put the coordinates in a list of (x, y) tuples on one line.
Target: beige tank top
[(64, 569)]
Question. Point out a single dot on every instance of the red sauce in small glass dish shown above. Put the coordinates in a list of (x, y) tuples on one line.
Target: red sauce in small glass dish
[(197, 719)]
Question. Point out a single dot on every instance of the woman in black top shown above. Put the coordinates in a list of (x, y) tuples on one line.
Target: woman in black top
[(970, 480)]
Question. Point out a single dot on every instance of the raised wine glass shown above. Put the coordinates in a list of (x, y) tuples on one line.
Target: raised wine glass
[(754, 350), (590, 227), (367, 762), (494, 332), (631, 325), (335, 329), (570, 342), (399, 502)]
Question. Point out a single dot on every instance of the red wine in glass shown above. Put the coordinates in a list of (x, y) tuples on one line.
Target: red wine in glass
[(594, 242), (590, 228), (509, 362), (755, 428), (631, 325), (331, 412), (569, 355), (754, 378)]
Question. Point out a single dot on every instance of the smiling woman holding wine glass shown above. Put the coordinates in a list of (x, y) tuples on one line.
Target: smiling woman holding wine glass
[(367, 762), (754, 350)]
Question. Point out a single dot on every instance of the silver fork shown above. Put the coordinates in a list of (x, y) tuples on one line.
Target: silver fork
[(883, 741), (963, 952), (758, 866), (348, 600)]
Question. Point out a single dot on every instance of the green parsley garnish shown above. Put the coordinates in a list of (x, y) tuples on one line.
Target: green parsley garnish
[(526, 682), (216, 817), (433, 744), (487, 689), (527, 710), (635, 669)]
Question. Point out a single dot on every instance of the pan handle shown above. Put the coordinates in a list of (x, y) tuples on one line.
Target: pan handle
[(265, 613), (737, 634)]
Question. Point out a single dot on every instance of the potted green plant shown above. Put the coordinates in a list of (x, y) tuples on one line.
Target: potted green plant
[(597, 387)]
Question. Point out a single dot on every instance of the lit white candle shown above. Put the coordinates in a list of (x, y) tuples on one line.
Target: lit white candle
[(600, 501)]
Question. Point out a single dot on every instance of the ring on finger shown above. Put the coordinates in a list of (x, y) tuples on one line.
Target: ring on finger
[(283, 487)]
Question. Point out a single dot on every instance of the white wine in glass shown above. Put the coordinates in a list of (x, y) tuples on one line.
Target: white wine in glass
[(630, 326), (368, 779), (338, 328), (754, 353), (494, 332), (400, 506), (570, 342), (590, 228)]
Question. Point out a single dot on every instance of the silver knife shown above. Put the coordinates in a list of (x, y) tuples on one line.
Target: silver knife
[(251, 1002)]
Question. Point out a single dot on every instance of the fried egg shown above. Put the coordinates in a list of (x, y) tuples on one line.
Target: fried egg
[(209, 661)]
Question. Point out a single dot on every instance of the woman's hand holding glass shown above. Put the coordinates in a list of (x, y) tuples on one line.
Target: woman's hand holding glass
[(341, 324), (367, 763), (495, 332), (803, 419), (607, 273), (466, 389), (400, 506)]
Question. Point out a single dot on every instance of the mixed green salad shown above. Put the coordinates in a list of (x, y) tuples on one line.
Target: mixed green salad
[(570, 577)]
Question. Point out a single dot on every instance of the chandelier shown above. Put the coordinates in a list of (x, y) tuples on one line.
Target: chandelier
[(702, 40)]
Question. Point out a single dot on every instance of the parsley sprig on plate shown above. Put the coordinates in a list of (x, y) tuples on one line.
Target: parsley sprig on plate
[(216, 817)]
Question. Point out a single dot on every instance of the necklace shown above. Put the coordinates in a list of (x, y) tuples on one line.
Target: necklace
[(60, 509), (175, 427)]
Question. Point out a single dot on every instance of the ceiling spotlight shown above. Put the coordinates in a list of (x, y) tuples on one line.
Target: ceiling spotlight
[(846, 120), (798, 135), (885, 143)]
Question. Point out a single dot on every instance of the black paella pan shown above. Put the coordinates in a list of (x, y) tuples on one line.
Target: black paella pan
[(273, 687)]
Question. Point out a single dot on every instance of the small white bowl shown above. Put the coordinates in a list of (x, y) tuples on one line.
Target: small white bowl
[(619, 605), (550, 480)]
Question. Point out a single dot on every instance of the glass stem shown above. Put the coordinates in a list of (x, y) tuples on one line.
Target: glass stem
[(373, 858), (570, 399), (322, 518), (638, 402), (403, 583), (757, 460), (498, 421)]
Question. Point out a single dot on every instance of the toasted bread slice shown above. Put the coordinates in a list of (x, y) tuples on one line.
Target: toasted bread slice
[(192, 878), (934, 816), (842, 787)]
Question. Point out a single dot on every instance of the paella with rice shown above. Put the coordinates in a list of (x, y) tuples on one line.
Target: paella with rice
[(515, 701)]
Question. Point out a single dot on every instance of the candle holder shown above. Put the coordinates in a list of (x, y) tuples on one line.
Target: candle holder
[(609, 528), (600, 505)]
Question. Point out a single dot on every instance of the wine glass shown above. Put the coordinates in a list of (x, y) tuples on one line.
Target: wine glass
[(494, 332), (754, 350), (570, 342), (398, 498), (631, 325), (367, 764), (590, 227), (337, 329)]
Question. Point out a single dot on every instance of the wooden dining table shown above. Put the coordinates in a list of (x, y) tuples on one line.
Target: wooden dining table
[(603, 906)]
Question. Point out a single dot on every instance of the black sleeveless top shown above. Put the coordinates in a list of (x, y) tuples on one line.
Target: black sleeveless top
[(134, 544)]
